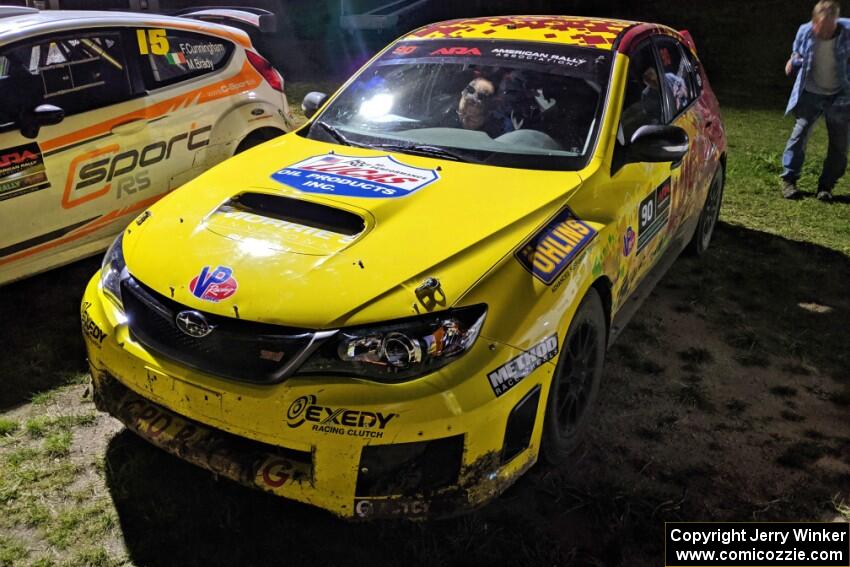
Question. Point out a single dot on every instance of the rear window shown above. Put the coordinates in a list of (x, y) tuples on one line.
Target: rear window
[(170, 56)]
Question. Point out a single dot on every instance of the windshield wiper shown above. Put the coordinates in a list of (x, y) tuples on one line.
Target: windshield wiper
[(338, 136), (425, 150)]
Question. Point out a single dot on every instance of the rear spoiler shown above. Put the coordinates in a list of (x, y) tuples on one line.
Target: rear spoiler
[(686, 35), (237, 16)]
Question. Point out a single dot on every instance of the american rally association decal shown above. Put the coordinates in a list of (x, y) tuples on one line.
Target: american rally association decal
[(375, 177), (337, 421), (213, 285), (509, 375), (21, 171), (554, 247), (653, 214)]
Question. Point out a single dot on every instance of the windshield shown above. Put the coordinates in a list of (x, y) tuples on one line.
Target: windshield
[(503, 103)]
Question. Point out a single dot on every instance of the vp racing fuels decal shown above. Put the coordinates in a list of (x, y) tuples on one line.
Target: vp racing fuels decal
[(653, 214), (213, 285), (555, 246), (509, 375), (334, 174), (21, 171)]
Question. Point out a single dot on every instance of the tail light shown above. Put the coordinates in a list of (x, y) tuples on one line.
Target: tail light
[(269, 73)]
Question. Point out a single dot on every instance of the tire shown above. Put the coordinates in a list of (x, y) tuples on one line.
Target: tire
[(575, 384), (256, 138), (708, 216)]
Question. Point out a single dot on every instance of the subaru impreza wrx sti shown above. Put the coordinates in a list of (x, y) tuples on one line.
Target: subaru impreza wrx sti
[(396, 310), (102, 113)]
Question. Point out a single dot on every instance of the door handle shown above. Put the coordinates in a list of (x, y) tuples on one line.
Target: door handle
[(129, 127), (709, 124)]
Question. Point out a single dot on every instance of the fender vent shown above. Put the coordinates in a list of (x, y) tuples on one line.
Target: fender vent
[(297, 211)]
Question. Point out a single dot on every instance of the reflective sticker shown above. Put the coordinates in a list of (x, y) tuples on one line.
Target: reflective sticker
[(373, 177), (555, 246)]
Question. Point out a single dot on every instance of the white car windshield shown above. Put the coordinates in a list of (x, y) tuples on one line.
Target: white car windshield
[(503, 103)]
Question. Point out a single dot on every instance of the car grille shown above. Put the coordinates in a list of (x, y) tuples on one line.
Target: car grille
[(235, 349)]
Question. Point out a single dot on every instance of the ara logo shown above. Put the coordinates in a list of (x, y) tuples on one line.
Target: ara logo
[(457, 51), (213, 285)]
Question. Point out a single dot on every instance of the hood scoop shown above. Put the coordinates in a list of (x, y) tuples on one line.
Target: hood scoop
[(265, 224)]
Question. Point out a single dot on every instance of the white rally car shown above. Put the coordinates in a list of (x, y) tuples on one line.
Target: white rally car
[(103, 113)]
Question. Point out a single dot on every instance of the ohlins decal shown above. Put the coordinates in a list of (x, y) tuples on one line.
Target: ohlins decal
[(106, 164), (555, 246), (337, 421)]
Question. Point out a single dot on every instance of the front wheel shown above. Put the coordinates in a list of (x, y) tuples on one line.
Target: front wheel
[(708, 217), (575, 384)]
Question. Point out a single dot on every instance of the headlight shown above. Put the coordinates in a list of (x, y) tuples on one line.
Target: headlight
[(400, 350), (112, 269)]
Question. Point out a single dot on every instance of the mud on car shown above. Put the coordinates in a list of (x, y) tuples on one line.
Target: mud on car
[(103, 113), (400, 308)]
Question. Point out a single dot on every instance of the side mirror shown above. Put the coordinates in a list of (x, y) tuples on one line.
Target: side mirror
[(42, 115), (312, 102), (656, 144)]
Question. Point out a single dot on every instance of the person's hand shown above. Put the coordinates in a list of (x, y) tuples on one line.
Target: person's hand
[(792, 64)]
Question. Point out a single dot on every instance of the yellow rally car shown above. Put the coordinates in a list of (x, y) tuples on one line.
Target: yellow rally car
[(396, 310)]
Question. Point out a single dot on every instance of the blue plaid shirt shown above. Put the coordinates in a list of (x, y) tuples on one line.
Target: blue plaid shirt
[(804, 45)]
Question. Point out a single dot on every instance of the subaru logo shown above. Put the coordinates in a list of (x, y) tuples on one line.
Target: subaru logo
[(193, 324)]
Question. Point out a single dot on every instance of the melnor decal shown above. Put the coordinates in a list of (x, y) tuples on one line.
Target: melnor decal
[(375, 177), (337, 421)]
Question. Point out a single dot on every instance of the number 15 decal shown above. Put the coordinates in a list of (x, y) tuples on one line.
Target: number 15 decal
[(653, 214), (152, 41)]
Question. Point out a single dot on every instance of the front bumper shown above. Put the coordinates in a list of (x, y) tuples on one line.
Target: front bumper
[(359, 450)]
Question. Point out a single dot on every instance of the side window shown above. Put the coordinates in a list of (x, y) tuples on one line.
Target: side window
[(677, 85), (169, 56), (77, 72), (695, 72), (642, 103)]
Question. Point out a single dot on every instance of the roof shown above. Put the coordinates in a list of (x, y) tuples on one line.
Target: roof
[(570, 30), (18, 24)]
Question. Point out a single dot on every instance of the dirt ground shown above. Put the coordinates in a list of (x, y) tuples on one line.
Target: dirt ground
[(725, 399)]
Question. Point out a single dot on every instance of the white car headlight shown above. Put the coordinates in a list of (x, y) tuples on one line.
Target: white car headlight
[(113, 270)]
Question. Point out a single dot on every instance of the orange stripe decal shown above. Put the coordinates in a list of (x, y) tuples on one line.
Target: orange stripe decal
[(84, 230), (245, 80)]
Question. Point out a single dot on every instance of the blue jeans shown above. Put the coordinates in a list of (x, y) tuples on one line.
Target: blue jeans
[(809, 108)]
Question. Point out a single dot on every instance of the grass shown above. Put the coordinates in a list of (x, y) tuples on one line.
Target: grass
[(756, 141)]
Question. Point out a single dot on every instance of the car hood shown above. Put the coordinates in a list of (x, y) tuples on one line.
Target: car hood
[(251, 239)]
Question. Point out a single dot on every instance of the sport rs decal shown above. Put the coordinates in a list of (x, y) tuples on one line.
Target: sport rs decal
[(334, 174), (509, 375), (555, 246), (653, 214), (21, 171)]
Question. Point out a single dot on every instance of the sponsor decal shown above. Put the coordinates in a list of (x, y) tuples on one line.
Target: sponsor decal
[(104, 165), (213, 285), (337, 421), (404, 50), (628, 241), (653, 214), (383, 507), (555, 246), (457, 51), (288, 226), (334, 174), (21, 171), (509, 375), (539, 57), (91, 330)]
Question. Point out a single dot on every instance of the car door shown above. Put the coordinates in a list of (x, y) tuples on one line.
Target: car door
[(60, 191), (644, 190), (689, 182), (190, 84)]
